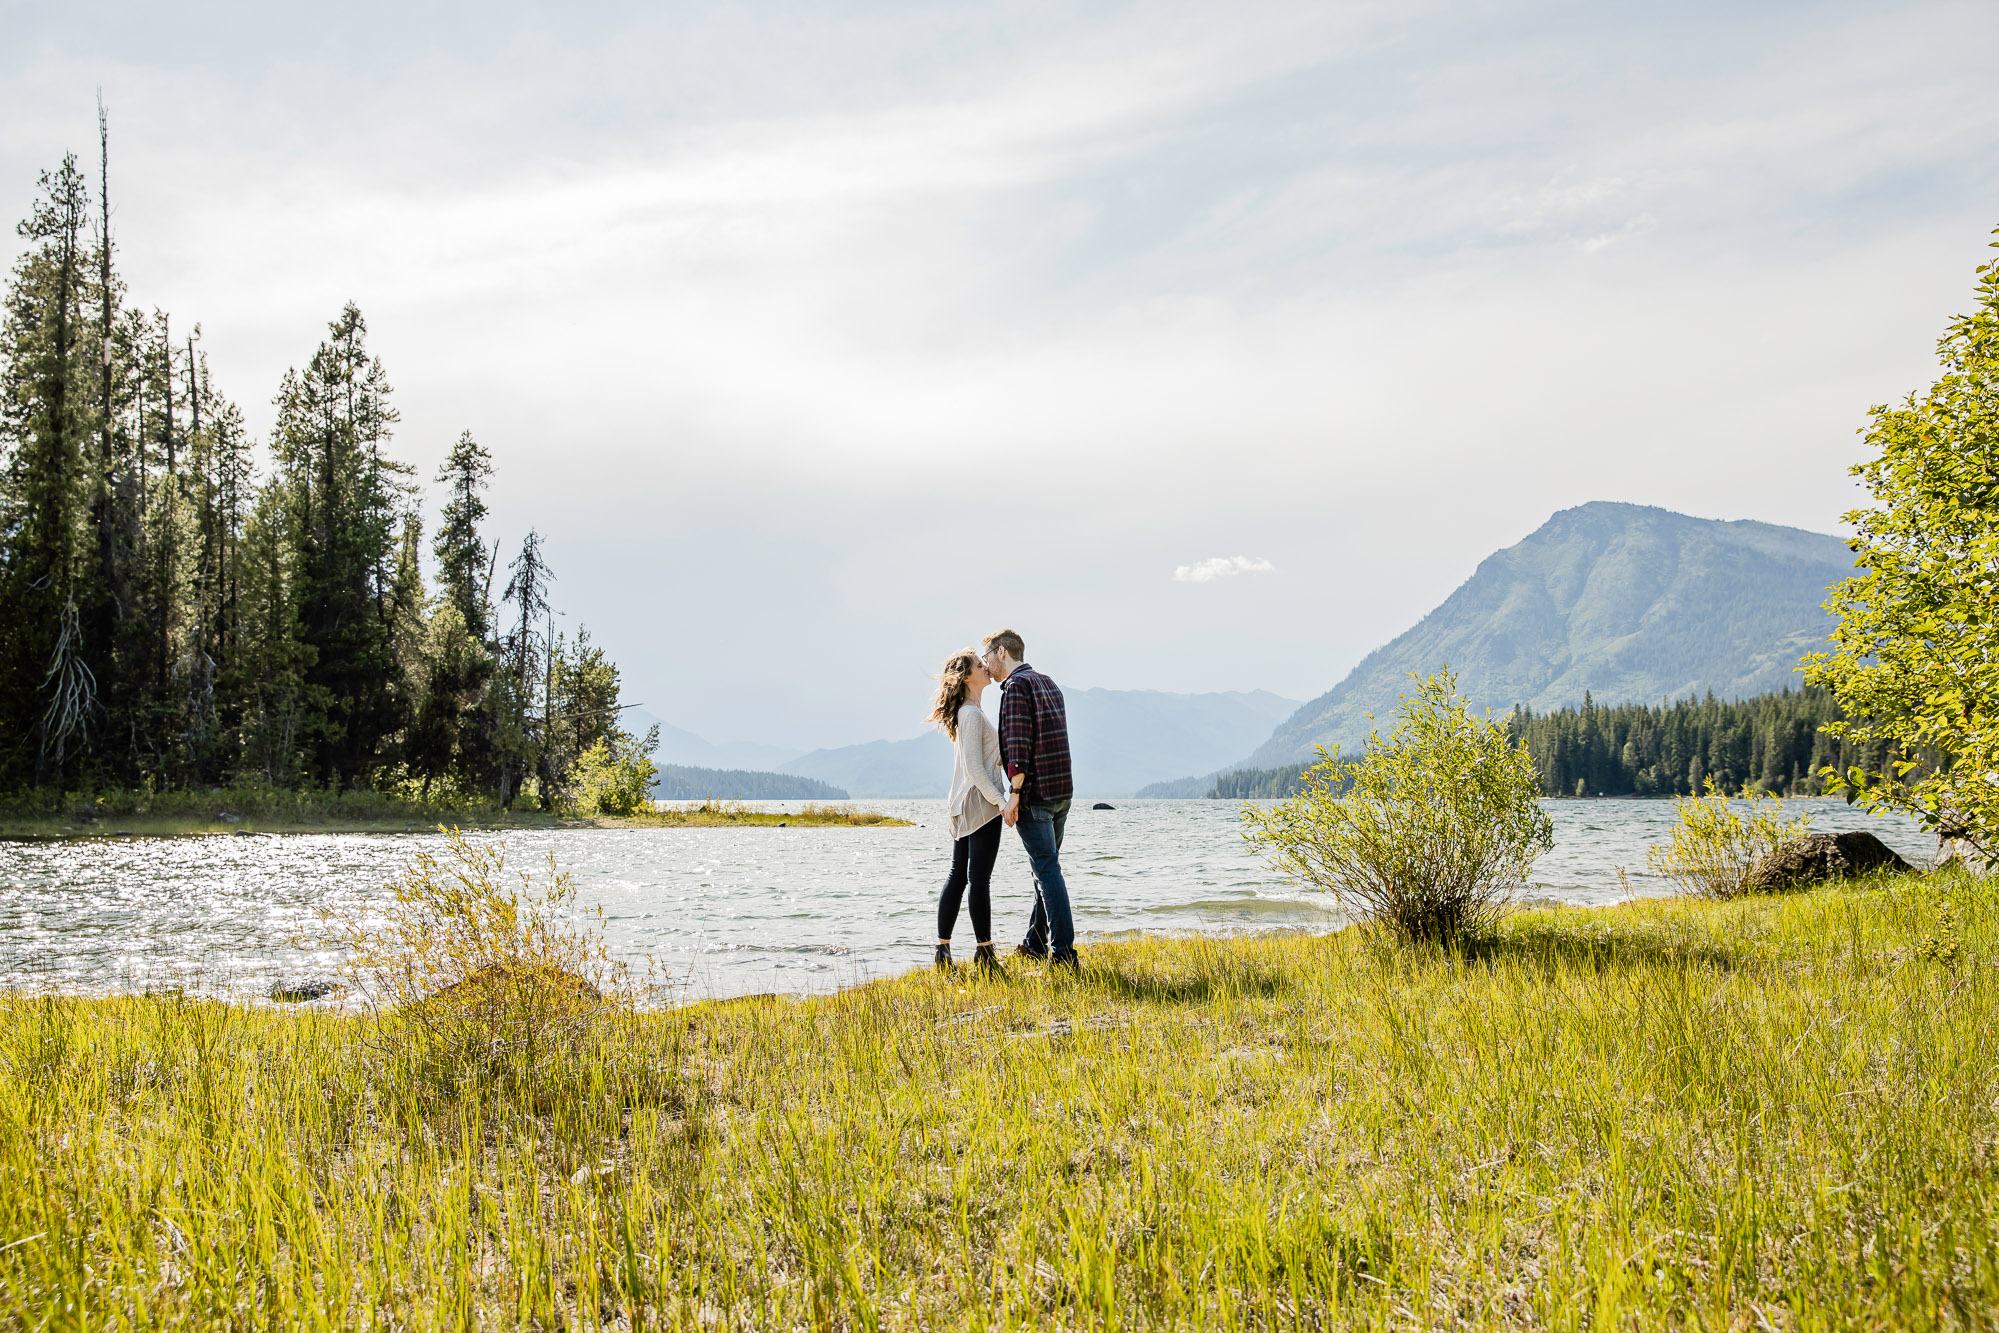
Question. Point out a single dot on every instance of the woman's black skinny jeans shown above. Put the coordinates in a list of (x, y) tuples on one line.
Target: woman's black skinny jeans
[(972, 858)]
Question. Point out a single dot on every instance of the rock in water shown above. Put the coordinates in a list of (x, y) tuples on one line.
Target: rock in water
[(1103, 805), (306, 988), (1818, 857)]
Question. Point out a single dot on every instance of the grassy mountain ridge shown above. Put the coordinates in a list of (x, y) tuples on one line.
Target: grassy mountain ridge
[(1629, 602)]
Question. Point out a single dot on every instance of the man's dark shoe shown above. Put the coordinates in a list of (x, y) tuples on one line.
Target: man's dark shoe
[(987, 961), (1031, 955), (1068, 961), (943, 958)]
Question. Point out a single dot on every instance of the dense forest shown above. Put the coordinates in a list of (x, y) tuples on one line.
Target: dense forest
[(1771, 742), (179, 608)]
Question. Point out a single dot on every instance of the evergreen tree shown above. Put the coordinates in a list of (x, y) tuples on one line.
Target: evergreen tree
[(166, 619), (270, 656), (1775, 742), (49, 689), (334, 422), (527, 656), (463, 565)]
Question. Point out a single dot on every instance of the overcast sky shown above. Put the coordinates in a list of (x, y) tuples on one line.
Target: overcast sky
[(1209, 346)]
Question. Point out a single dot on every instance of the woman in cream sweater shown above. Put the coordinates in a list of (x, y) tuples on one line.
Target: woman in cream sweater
[(978, 790)]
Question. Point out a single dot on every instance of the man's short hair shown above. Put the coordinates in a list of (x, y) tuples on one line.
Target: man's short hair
[(1007, 642)]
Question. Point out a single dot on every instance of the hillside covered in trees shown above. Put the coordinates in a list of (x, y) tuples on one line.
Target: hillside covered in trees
[(677, 782), (1629, 602), (1771, 742), (179, 608)]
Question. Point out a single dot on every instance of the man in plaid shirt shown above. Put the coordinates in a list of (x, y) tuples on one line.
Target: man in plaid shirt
[(1034, 742)]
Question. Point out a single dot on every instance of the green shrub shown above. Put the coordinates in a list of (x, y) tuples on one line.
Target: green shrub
[(615, 776), (1428, 834), (1716, 844)]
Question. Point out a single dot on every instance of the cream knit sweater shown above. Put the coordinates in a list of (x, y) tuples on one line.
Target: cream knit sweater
[(978, 780)]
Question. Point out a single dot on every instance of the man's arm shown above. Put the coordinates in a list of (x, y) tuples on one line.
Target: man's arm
[(1017, 730)]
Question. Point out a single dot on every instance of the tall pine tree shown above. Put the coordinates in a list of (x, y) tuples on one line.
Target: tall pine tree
[(333, 425)]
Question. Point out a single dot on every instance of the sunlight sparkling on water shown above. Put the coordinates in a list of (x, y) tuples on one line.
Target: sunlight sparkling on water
[(725, 911)]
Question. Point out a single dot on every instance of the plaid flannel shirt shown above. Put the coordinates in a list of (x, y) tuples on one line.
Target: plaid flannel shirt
[(1034, 735)]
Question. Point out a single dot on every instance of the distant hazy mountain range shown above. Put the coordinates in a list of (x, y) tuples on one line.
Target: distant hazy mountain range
[(685, 748), (677, 782), (1628, 602), (1122, 739)]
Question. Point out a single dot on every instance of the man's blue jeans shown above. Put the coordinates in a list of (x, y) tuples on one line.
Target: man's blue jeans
[(1040, 828)]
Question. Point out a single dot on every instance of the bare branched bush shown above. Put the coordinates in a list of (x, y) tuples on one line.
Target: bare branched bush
[(1429, 834), (1718, 842)]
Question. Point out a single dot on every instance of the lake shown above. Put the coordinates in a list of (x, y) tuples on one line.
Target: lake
[(725, 911)]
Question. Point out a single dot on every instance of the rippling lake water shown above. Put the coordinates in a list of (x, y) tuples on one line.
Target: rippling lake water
[(726, 911)]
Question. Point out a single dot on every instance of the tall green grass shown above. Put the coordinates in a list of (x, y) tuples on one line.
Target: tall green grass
[(1765, 1113)]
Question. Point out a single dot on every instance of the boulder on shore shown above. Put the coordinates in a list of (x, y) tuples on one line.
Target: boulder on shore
[(1818, 857)]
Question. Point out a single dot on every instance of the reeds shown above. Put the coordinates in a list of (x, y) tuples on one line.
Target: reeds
[(1775, 1112)]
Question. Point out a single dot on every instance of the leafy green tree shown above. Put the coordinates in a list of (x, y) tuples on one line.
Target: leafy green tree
[(615, 775), (1915, 660)]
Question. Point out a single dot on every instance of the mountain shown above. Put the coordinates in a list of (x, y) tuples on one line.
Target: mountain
[(1120, 740), (684, 748), (1628, 602), (676, 782), (919, 766), (1124, 739)]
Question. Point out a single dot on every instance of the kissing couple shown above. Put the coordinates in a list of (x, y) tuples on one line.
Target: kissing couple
[(1016, 776)]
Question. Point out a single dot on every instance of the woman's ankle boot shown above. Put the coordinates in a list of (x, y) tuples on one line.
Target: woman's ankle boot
[(987, 961), (944, 958)]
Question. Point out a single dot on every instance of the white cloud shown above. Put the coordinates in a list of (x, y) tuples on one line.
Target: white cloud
[(775, 285), (1221, 567)]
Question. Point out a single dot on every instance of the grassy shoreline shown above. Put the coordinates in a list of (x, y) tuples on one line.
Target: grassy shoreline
[(262, 810), (1769, 1113)]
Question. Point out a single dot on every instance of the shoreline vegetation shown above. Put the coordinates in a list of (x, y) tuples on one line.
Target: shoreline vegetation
[(185, 608), (1775, 743), (261, 810), (1665, 1113)]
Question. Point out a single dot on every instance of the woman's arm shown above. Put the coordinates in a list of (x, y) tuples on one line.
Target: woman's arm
[(972, 734)]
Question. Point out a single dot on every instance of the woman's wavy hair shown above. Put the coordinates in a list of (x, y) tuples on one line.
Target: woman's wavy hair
[(951, 689)]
